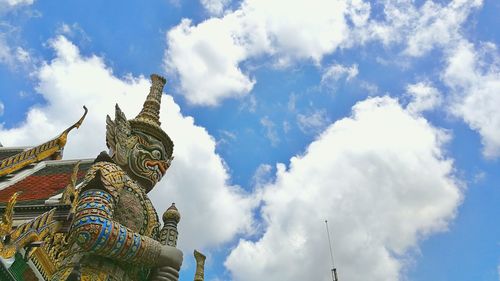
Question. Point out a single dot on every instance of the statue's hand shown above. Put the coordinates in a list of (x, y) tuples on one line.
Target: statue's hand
[(170, 257), (169, 264), (165, 273)]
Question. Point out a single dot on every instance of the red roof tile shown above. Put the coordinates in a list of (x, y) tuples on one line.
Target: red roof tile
[(43, 184), (38, 187)]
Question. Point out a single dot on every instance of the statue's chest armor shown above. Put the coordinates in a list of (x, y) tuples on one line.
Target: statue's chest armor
[(135, 211)]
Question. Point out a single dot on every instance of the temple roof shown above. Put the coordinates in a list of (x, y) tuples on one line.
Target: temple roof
[(40, 181), (37, 172), (51, 149)]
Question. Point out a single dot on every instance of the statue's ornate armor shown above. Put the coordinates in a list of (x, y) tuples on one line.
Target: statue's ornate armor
[(113, 236)]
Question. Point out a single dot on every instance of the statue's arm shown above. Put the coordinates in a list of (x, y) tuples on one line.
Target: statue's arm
[(95, 231)]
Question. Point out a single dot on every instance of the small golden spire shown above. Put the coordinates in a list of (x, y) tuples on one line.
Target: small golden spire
[(172, 214), (200, 266), (169, 232)]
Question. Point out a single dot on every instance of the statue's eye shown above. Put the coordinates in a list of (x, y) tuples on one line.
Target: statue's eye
[(156, 154)]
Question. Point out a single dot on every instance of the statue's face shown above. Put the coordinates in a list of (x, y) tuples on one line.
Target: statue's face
[(147, 159)]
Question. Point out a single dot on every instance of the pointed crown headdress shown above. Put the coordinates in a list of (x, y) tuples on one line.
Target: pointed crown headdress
[(147, 121)]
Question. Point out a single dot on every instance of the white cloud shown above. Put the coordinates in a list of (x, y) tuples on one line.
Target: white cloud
[(228, 135), (225, 137), (213, 210), (438, 25), (419, 28), (208, 56), (314, 122), (215, 7), (11, 55), (22, 55), (371, 88), (474, 79), (336, 72), (262, 175), (206, 59), (17, 2), (2, 108), (73, 31), (381, 180), (424, 97)]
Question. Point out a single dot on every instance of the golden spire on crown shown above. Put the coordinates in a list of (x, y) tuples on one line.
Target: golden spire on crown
[(148, 120), (150, 112)]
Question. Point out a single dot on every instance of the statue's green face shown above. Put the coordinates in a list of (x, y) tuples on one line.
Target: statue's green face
[(147, 160)]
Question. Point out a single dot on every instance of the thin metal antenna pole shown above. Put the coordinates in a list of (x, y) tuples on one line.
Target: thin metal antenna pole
[(334, 270)]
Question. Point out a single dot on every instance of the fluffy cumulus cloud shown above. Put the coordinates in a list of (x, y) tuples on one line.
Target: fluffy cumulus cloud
[(206, 59), (381, 180), (473, 77), (208, 56), (197, 180), (423, 97)]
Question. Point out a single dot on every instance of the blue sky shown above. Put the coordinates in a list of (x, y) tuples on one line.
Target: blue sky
[(380, 116)]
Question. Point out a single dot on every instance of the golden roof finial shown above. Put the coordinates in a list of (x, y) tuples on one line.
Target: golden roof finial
[(70, 193), (6, 219)]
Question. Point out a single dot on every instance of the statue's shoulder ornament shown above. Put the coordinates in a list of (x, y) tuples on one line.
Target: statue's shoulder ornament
[(105, 175)]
